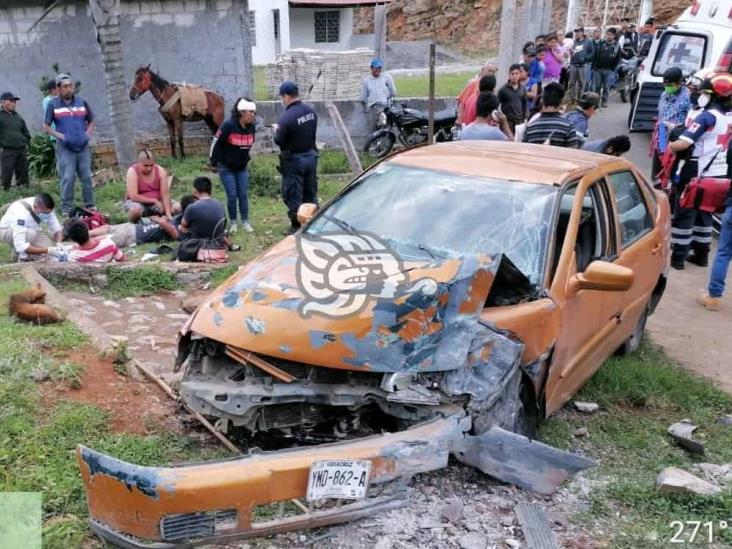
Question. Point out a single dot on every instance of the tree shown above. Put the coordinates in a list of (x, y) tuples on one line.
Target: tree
[(105, 14)]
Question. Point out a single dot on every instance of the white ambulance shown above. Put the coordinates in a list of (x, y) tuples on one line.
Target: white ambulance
[(700, 38)]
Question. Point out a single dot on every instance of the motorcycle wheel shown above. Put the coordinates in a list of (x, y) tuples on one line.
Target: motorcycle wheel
[(380, 145)]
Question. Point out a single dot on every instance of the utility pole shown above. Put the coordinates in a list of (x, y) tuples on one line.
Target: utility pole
[(645, 12), (546, 17), (380, 31), (507, 45), (573, 7)]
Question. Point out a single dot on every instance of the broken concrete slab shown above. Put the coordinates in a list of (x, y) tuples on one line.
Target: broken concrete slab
[(675, 480), (519, 460), (586, 407), (580, 432), (715, 473), (472, 541), (452, 511), (682, 432)]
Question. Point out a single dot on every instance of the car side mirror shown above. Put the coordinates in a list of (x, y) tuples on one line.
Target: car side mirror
[(306, 212), (603, 276)]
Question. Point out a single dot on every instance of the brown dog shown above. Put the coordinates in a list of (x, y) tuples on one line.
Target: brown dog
[(30, 306)]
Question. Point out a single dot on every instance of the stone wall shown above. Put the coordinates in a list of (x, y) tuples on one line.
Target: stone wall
[(474, 25), (196, 41)]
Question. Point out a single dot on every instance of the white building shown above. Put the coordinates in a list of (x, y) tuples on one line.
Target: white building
[(281, 25)]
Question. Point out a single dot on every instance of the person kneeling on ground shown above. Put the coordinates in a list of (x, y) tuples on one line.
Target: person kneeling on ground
[(154, 229), (614, 146), (488, 120), (148, 190), (206, 218), (20, 227), (91, 250)]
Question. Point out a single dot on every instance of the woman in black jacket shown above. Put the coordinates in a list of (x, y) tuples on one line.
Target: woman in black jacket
[(230, 154)]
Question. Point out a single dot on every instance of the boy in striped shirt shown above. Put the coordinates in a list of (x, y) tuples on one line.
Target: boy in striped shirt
[(91, 250)]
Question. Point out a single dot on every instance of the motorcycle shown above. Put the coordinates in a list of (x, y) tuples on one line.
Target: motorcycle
[(627, 73), (409, 126)]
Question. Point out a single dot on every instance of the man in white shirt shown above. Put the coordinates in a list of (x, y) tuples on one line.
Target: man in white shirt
[(20, 227), (376, 92)]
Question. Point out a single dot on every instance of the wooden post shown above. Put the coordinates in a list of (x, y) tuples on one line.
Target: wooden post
[(380, 31), (431, 126), (345, 138)]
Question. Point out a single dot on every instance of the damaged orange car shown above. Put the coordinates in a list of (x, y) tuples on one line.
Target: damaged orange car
[(444, 302)]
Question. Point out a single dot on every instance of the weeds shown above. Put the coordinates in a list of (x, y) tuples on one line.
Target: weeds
[(142, 280), (121, 358)]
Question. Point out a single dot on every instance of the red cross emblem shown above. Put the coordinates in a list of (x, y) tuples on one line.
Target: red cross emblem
[(725, 138)]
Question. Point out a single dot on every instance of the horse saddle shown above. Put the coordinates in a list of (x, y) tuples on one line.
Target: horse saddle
[(192, 100)]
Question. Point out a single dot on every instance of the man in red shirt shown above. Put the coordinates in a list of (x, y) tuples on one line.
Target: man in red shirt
[(148, 190), (471, 89), (487, 84)]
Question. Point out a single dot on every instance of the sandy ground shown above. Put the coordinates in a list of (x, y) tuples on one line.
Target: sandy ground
[(696, 338)]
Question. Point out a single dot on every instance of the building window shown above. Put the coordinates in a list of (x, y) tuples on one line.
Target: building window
[(253, 27), (276, 16), (327, 26)]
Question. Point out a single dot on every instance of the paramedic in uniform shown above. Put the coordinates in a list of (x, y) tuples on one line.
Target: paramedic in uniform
[(295, 136), (20, 227), (707, 134)]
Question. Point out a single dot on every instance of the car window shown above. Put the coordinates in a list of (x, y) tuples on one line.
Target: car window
[(635, 219), (685, 51), (591, 242), (413, 208)]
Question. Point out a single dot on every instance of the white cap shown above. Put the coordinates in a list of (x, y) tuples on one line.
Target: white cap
[(246, 105)]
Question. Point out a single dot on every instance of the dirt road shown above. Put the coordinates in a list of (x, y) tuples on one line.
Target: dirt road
[(697, 338)]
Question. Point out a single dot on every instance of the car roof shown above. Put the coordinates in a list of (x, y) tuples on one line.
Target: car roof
[(519, 162)]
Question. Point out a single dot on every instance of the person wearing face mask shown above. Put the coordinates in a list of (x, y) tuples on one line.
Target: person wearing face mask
[(707, 136), (295, 136), (21, 227), (673, 106)]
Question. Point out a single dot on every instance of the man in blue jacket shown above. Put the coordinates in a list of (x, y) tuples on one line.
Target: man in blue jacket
[(74, 124), (295, 135)]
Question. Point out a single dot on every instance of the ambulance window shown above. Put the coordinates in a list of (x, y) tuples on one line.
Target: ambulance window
[(686, 51)]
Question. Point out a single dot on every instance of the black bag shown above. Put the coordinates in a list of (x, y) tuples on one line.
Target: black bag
[(204, 250), (188, 249)]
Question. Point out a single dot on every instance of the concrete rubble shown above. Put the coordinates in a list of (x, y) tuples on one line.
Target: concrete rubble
[(675, 480), (682, 432), (586, 407)]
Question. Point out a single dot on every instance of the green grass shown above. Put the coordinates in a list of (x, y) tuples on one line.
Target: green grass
[(446, 85), (260, 84), (37, 441), (142, 280), (641, 396)]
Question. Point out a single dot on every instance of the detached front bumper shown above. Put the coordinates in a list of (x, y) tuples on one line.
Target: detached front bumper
[(134, 506)]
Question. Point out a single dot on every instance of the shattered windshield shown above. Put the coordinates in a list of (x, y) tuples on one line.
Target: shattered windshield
[(441, 214)]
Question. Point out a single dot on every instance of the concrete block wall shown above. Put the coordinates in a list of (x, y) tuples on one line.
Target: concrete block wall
[(196, 41)]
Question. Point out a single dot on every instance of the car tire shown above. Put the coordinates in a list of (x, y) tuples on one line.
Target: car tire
[(380, 145), (633, 343), (514, 411)]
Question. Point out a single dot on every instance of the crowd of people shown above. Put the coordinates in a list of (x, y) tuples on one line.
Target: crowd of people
[(559, 81), (198, 222)]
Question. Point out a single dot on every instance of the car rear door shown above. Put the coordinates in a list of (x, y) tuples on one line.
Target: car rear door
[(641, 248)]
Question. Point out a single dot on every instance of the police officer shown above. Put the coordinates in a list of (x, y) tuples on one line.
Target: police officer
[(707, 134), (295, 136), (20, 227)]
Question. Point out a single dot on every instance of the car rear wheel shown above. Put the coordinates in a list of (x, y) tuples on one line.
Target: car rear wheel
[(633, 343)]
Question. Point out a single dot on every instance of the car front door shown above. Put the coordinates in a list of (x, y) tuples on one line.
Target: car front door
[(585, 318)]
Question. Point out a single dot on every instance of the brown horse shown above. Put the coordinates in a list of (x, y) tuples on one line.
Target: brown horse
[(162, 91)]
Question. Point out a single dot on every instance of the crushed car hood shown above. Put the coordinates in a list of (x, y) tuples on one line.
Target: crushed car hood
[(425, 323)]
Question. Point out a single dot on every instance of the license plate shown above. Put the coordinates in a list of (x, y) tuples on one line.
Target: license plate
[(346, 478)]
